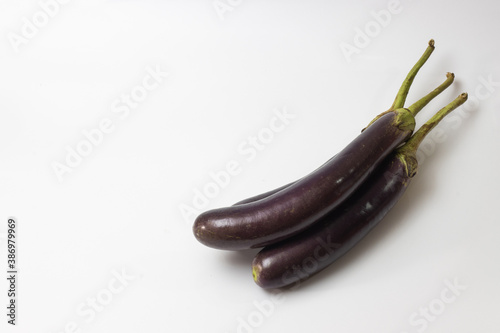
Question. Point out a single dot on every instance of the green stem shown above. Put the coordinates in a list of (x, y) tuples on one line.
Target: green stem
[(421, 103), (405, 87), (413, 143)]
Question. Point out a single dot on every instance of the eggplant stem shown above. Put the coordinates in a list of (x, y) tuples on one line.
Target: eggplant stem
[(421, 103), (413, 143), (405, 87)]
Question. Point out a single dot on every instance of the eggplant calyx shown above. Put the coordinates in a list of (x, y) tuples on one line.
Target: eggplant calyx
[(404, 120), (407, 153), (415, 108), (409, 161)]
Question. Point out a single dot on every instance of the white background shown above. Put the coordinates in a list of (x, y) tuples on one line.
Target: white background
[(118, 212)]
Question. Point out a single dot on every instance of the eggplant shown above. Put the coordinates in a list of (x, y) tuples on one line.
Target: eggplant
[(296, 207), (416, 106), (293, 260)]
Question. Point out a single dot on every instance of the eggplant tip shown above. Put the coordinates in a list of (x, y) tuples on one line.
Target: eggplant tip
[(255, 272), (199, 231)]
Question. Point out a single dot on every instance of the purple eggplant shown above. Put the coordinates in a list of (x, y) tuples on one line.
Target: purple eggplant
[(295, 259), (296, 207), (418, 105)]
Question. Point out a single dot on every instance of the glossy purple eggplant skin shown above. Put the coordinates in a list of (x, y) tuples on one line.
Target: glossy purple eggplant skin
[(297, 258), (293, 209)]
